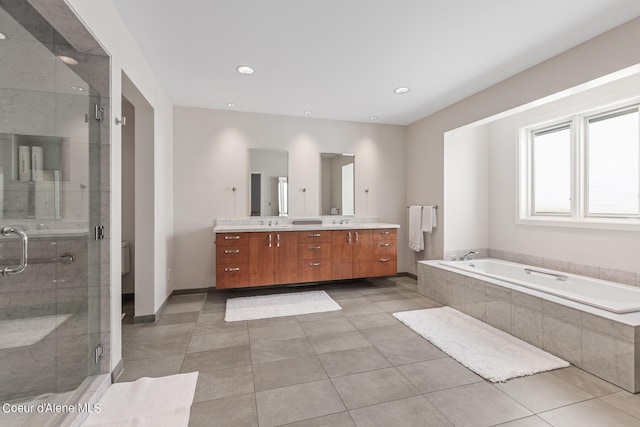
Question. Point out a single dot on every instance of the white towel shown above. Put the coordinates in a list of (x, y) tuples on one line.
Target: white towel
[(429, 218), (416, 236), (147, 402)]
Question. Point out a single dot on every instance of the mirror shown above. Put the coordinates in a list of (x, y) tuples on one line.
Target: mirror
[(269, 195), (337, 181)]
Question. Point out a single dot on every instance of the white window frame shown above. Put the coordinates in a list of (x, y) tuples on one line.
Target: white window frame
[(579, 216)]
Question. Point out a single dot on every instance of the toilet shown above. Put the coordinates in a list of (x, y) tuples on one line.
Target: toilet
[(126, 258)]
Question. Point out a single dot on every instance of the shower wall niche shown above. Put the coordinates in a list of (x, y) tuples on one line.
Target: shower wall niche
[(33, 165)]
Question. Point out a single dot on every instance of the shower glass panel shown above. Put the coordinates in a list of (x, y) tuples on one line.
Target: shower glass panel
[(50, 188)]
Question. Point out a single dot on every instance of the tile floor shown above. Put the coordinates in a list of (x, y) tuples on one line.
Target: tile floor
[(354, 367)]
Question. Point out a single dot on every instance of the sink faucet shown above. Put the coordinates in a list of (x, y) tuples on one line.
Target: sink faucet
[(468, 256)]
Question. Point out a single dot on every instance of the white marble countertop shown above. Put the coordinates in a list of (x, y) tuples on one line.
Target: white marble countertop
[(301, 227)]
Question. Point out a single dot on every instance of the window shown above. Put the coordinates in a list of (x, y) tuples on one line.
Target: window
[(551, 149), (612, 142), (582, 169)]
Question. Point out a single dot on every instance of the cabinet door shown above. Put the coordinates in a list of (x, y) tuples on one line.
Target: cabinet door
[(341, 254), (286, 257), (261, 259), (362, 253)]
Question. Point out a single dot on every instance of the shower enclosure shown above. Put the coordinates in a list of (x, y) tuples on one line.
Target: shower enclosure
[(54, 193)]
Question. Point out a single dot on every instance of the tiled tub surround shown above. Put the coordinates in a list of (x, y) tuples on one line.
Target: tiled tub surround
[(606, 295), (602, 343), (620, 276)]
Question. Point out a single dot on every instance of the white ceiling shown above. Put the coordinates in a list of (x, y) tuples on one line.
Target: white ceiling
[(342, 59)]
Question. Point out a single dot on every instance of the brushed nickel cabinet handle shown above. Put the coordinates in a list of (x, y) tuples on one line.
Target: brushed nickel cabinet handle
[(349, 238), (314, 264), (232, 251), (385, 233), (314, 248), (357, 237), (232, 269), (385, 245), (385, 259), (278, 240), (314, 235), (231, 237), (270, 241)]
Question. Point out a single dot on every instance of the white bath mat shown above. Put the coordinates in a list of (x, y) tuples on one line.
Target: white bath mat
[(152, 402), (487, 351), (278, 305)]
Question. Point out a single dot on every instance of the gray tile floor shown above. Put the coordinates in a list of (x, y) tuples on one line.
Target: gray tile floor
[(354, 367)]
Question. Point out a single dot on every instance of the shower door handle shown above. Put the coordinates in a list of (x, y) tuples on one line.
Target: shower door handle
[(5, 231)]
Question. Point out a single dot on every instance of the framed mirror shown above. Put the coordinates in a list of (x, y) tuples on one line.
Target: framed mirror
[(337, 184), (269, 187)]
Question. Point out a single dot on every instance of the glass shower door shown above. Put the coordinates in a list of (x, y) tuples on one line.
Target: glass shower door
[(50, 193)]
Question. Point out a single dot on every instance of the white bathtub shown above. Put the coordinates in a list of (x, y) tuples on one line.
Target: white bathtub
[(602, 294)]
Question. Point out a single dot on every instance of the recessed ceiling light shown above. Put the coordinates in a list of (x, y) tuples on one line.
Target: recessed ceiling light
[(77, 88), (3, 36), (67, 60), (373, 118), (244, 69), (231, 104), (401, 90), (307, 111)]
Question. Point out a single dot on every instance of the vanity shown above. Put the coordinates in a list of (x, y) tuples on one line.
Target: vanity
[(271, 248), (251, 254)]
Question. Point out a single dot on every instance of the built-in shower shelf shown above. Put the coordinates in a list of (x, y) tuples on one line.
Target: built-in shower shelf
[(25, 332)]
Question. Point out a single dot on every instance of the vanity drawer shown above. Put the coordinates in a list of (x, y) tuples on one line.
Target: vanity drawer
[(314, 236), (385, 234), (232, 276), (385, 249), (314, 270), (385, 266), (314, 251), (232, 239), (236, 254)]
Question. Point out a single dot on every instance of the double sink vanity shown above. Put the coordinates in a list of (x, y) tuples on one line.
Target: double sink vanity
[(250, 252)]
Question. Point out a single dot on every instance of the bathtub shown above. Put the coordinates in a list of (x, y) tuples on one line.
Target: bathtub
[(609, 296), (593, 324)]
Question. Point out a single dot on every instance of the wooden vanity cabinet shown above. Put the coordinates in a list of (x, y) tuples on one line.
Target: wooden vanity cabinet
[(314, 256), (351, 253), (385, 252), (232, 260), (270, 258)]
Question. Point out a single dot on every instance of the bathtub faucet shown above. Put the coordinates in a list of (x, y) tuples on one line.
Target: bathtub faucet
[(468, 256)]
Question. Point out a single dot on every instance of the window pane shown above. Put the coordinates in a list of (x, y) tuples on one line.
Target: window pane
[(552, 171), (613, 164)]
